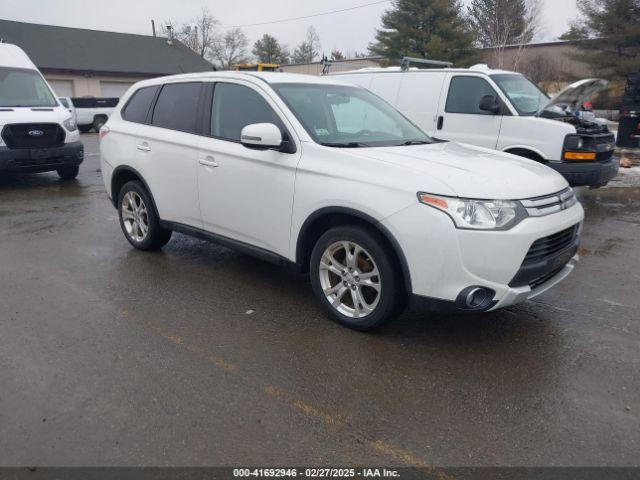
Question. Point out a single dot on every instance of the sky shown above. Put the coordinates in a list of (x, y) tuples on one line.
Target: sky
[(347, 31)]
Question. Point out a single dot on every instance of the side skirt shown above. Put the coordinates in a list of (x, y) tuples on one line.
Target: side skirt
[(236, 245)]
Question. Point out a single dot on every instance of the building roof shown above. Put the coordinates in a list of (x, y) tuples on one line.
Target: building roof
[(77, 49)]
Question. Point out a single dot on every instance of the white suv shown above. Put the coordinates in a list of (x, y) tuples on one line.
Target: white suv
[(326, 176)]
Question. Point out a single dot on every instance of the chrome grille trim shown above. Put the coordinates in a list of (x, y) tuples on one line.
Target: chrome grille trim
[(550, 204)]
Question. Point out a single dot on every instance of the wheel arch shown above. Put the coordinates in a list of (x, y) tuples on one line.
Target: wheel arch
[(123, 174), (526, 152), (328, 217)]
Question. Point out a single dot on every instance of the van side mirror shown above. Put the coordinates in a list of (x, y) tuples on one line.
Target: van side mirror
[(261, 136), (489, 103)]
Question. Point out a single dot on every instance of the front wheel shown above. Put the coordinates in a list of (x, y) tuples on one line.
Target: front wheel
[(68, 173), (356, 277), (138, 219), (85, 128)]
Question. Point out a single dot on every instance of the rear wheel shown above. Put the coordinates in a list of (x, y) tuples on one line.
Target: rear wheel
[(138, 219), (98, 123), (356, 277), (68, 173), (85, 128)]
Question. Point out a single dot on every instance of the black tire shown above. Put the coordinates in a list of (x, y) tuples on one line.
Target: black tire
[(392, 295), (85, 128), (98, 123), (68, 173), (156, 237)]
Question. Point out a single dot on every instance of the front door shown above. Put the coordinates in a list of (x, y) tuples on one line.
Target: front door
[(245, 194), (460, 118)]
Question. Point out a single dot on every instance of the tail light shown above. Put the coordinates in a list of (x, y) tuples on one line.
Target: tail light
[(104, 130)]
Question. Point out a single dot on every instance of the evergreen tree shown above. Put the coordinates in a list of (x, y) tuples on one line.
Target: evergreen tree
[(268, 50), (434, 29), (613, 30)]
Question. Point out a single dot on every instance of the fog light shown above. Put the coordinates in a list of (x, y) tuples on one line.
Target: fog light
[(475, 298)]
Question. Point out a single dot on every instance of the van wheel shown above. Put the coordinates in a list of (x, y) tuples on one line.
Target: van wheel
[(68, 173), (138, 219), (85, 128), (356, 277)]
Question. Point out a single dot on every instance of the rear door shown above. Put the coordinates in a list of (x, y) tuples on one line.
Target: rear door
[(460, 118), (166, 149)]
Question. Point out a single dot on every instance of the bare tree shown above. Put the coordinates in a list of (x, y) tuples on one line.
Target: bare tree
[(337, 54), (230, 49), (502, 23), (541, 69), (199, 34), (309, 49)]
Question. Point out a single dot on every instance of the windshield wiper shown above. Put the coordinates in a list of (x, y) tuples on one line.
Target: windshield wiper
[(345, 144), (414, 142)]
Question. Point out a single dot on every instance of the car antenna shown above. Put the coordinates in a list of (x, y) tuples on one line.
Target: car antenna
[(407, 61)]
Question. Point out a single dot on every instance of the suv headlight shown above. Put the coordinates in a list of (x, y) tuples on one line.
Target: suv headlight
[(70, 124), (472, 214)]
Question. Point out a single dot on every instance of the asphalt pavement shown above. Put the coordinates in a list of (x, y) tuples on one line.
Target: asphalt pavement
[(198, 355)]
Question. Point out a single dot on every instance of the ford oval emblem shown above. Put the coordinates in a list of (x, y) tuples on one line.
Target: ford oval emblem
[(35, 133)]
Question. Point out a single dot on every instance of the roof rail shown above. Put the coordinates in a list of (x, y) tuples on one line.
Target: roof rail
[(407, 61)]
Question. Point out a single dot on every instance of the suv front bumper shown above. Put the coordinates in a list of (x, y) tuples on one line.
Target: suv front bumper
[(35, 160), (444, 262), (592, 174)]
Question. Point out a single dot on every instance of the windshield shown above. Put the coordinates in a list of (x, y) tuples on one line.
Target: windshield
[(525, 96), (24, 88), (343, 116)]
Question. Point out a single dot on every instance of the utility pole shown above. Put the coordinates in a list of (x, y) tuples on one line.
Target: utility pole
[(153, 27)]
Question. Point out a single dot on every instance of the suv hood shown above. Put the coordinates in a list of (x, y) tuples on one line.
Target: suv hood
[(471, 172), (569, 100)]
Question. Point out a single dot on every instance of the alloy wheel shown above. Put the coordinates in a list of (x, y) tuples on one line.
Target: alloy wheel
[(135, 216), (350, 279)]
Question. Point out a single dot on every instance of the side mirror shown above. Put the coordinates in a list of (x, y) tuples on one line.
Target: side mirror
[(489, 103), (261, 135)]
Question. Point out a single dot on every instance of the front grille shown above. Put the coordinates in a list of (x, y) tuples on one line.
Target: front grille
[(33, 135), (548, 204), (547, 247), (547, 257), (536, 282)]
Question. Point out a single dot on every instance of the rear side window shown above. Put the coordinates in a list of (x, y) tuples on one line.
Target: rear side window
[(138, 107), (465, 94), (177, 107), (235, 107)]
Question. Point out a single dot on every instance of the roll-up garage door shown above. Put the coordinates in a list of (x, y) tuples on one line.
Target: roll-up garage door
[(113, 89), (63, 88)]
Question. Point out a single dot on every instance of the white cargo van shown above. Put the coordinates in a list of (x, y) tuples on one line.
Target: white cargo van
[(37, 133), (501, 110)]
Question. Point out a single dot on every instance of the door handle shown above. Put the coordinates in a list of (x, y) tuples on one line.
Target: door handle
[(208, 162), (440, 122), (144, 147)]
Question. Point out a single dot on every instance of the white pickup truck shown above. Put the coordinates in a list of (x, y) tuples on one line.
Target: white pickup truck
[(93, 113)]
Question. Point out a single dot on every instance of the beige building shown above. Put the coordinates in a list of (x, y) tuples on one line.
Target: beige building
[(315, 68), (80, 63)]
